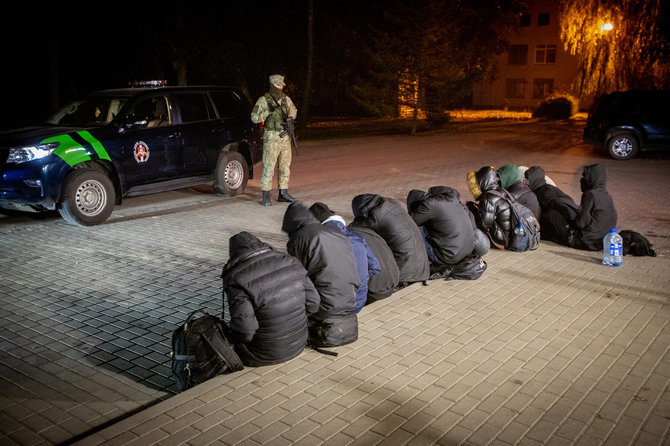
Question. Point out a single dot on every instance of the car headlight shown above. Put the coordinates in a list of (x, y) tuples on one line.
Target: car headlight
[(24, 154)]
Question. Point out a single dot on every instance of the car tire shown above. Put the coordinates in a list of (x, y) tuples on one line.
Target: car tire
[(622, 146), (88, 197), (232, 174)]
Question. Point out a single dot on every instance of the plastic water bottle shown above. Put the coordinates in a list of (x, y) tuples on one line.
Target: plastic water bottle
[(519, 230), (612, 249)]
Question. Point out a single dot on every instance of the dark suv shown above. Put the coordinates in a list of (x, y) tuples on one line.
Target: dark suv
[(626, 122), (126, 142)]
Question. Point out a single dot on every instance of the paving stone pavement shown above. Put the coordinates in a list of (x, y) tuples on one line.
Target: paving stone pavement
[(548, 347)]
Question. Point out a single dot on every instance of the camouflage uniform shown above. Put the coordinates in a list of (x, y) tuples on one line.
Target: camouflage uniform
[(276, 148)]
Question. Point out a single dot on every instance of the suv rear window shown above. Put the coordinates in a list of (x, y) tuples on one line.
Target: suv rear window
[(195, 107), (227, 103)]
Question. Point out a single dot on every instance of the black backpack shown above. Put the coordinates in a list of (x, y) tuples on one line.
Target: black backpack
[(636, 244), (521, 214), (470, 268), (201, 349)]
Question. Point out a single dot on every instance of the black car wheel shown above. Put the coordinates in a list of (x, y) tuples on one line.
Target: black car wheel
[(232, 174), (622, 146), (88, 197)]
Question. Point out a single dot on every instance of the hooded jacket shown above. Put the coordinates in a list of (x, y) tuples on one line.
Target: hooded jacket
[(269, 296), (328, 257), (550, 197), (446, 221), (389, 219), (596, 214), (493, 213), (511, 181), (382, 284), (367, 264)]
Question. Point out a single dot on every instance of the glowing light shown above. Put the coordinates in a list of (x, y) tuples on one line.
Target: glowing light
[(606, 27)]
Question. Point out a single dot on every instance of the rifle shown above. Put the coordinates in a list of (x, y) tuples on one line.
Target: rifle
[(289, 126)]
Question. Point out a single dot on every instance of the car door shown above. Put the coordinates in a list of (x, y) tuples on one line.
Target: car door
[(655, 119), (199, 132), (151, 143)]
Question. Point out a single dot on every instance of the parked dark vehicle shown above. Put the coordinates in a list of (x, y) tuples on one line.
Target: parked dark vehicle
[(628, 122), (126, 142)]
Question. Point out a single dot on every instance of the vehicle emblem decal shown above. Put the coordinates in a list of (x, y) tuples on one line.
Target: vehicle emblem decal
[(141, 152)]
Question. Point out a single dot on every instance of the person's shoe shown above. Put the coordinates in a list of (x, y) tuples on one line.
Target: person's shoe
[(285, 197), (265, 201)]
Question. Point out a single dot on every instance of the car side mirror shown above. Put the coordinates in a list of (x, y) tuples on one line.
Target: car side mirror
[(133, 122)]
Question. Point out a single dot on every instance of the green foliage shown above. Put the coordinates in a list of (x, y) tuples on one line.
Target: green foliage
[(634, 53), (558, 106)]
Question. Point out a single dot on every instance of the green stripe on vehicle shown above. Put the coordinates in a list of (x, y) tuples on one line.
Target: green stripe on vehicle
[(97, 145), (68, 149)]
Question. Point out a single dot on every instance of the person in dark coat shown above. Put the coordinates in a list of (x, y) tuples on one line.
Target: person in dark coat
[(366, 263), (448, 231), (493, 213), (559, 210), (388, 218), (270, 297), (596, 214), (512, 182), (328, 257), (382, 284)]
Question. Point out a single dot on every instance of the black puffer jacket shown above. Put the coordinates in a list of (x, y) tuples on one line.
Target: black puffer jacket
[(596, 214), (493, 213), (382, 284), (550, 197), (269, 295), (388, 218), (447, 222), (328, 257)]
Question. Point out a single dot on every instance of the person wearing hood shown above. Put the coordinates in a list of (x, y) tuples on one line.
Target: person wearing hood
[(385, 282), (596, 214), (388, 218), (493, 213), (272, 109), (446, 224), (558, 209), (328, 257), (270, 297), (512, 182), (367, 264)]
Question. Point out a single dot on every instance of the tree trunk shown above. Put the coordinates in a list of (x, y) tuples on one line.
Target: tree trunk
[(304, 112)]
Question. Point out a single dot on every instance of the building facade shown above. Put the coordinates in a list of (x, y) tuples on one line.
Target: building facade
[(535, 65)]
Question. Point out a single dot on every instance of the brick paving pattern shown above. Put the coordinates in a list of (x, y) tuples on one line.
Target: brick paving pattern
[(548, 347)]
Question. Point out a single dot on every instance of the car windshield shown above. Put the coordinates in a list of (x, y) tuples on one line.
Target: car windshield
[(90, 112)]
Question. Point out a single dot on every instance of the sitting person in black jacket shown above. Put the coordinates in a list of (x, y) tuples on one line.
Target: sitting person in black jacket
[(513, 182), (492, 212), (448, 230), (328, 257), (559, 211), (270, 297), (596, 214), (388, 218)]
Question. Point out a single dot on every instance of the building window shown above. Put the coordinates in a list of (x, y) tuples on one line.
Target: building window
[(545, 54), (542, 88), (518, 55), (525, 20), (515, 88), (543, 19)]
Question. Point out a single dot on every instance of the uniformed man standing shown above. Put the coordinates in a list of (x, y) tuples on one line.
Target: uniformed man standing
[(274, 107)]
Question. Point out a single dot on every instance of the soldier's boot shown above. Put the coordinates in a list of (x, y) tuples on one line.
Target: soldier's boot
[(285, 197), (265, 201)]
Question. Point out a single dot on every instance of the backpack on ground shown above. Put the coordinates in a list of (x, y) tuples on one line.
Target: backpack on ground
[(201, 349), (530, 240), (470, 268), (636, 244)]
